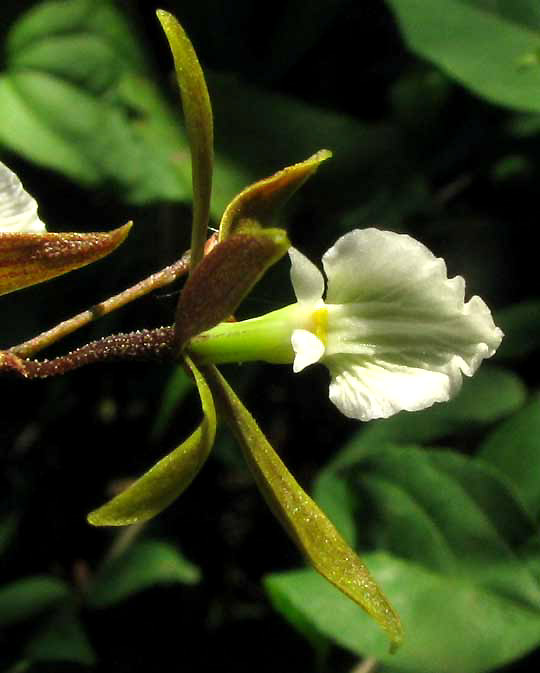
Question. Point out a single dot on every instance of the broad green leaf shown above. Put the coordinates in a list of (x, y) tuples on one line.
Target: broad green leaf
[(176, 389), (459, 562), (452, 514), (27, 259), (145, 564), (306, 524), (28, 597), (514, 448), (257, 205), (451, 624), (490, 395), (493, 48), (77, 96), (72, 17), (521, 326), (62, 639), (168, 478), (199, 126)]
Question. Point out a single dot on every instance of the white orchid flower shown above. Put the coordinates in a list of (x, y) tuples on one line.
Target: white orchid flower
[(18, 210), (394, 330)]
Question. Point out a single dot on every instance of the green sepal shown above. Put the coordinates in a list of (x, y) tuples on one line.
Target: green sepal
[(30, 258), (224, 277), (168, 478), (257, 205), (199, 127), (303, 520)]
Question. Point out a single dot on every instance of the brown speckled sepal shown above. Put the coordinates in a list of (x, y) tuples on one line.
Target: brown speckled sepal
[(28, 258)]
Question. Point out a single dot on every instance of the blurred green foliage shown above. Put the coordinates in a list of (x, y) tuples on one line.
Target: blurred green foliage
[(432, 112)]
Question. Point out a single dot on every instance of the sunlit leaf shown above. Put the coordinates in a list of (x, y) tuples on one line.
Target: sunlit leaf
[(451, 624), (168, 478), (457, 36), (457, 562)]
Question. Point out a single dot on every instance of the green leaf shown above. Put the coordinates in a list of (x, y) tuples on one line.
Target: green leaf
[(521, 326), (490, 395), (514, 448), (145, 564), (451, 624), (306, 524), (62, 639), (199, 126), (168, 478), (458, 36), (28, 597), (77, 96), (458, 563)]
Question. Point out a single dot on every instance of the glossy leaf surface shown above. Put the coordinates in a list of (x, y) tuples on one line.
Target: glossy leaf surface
[(451, 534), (457, 35)]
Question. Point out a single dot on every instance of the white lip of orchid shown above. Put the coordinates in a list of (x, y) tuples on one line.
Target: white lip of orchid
[(18, 210), (396, 333)]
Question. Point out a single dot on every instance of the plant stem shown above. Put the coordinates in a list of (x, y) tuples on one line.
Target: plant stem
[(164, 277)]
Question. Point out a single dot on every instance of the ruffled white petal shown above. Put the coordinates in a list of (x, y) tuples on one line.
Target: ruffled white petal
[(18, 210), (371, 389), (385, 268), (400, 335), (307, 347), (307, 280)]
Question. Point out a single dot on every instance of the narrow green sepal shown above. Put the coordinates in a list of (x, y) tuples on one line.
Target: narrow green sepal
[(164, 482), (224, 277), (304, 521), (257, 205), (199, 126)]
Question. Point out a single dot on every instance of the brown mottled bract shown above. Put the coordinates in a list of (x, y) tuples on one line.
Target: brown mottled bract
[(258, 204), (220, 282), (26, 258), (147, 344)]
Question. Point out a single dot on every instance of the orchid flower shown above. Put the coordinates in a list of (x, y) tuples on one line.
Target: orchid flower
[(394, 330)]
